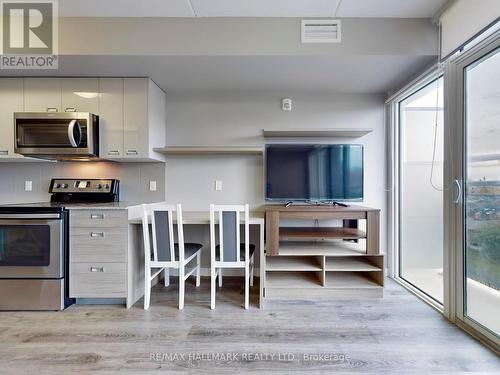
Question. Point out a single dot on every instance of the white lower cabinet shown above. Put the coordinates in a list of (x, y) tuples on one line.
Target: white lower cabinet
[(11, 100), (98, 253)]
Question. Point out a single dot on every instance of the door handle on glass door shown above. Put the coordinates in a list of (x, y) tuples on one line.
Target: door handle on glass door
[(458, 197)]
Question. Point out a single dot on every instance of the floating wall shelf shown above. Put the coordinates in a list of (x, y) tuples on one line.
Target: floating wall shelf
[(209, 150), (329, 132)]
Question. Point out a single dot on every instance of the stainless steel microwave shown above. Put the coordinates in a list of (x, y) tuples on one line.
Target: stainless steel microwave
[(58, 136)]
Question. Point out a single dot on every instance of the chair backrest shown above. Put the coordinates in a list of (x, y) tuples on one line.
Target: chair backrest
[(162, 223), (229, 219)]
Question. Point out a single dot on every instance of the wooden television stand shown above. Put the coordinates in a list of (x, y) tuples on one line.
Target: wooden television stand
[(337, 257)]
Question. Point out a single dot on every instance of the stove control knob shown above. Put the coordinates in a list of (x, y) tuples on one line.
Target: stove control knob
[(57, 186), (106, 186), (98, 186), (64, 186)]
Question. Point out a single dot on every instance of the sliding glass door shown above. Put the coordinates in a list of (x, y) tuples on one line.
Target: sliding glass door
[(480, 224), (445, 206), (421, 189)]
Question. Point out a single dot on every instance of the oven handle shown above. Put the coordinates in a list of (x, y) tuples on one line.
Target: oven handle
[(30, 216)]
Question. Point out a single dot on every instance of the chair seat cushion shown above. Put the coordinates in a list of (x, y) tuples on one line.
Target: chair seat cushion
[(242, 251), (189, 249)]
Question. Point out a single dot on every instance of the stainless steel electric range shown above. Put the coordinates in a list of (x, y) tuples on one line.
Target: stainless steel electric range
[(34, 244)]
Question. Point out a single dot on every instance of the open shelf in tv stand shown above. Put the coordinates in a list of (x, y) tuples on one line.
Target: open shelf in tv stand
[(326, 261)]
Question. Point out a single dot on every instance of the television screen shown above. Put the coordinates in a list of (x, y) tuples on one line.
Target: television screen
[(315, 172)]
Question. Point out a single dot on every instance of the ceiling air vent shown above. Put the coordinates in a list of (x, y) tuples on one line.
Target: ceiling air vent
[(320, 31)]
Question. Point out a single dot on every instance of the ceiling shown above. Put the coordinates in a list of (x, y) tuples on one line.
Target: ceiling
[(333, 74), (349, 72), (251, 8)]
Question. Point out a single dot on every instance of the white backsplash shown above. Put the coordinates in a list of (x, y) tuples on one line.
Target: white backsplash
[(134, 179)]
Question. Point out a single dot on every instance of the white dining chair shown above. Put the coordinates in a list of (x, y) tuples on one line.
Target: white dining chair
[(166, 253), (230, 252)]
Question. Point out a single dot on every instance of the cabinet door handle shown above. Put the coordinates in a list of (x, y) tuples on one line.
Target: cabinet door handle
[(51, 109), (70, 109), (113, 152), (97, 216), (4, 152), (96, 234), (132, 152), (96, 269)]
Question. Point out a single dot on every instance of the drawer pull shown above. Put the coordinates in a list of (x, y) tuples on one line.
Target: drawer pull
[(4, 152), (96, 234), (96, 269), (113, 152), (70, 109), (51, 109), (132, 152), (97, 216)]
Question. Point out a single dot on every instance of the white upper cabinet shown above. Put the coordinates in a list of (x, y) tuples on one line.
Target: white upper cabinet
[(135, 116), (144, 119), (132, 117), (111, 117), (11, 100), (132, 111), (80, 95), (42, 95)]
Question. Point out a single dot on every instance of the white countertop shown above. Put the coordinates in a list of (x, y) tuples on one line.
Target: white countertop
[(101, 206)]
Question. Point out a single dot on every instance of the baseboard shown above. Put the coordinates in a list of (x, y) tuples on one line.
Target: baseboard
[(100, 301)]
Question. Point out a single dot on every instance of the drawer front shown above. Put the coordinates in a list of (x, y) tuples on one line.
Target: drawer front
[(98, 245), (97, 280), (98, 218)]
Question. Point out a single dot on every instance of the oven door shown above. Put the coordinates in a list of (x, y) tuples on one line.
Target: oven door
[(31, 246), (38, 134)]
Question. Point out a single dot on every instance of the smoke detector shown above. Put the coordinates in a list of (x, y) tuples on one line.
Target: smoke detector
[(286, 104)]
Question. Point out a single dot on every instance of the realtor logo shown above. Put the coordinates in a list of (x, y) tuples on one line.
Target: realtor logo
[(29, 34)]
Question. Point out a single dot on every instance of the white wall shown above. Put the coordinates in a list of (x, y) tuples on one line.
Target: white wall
[(237, 118)]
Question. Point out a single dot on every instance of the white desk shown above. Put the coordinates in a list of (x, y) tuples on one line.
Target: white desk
[(195, 217), (136, 266)]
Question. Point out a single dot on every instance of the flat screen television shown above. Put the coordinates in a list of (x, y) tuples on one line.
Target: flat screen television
[(314, 172)]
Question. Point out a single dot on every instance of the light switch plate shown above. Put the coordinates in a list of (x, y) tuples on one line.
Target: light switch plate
[(28, 185), (218, 185), (152, 185)]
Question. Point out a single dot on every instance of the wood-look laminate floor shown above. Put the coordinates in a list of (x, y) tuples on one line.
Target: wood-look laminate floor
[(398, 334)]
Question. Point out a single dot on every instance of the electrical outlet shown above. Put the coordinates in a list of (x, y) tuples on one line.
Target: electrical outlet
[(28, 185), (152, 185), (218, 185)]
